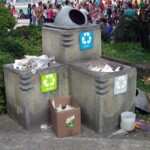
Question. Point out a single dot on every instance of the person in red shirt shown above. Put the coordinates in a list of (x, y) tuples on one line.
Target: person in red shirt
[(108, 3), (39, 13), (101, 6), (14, 11)]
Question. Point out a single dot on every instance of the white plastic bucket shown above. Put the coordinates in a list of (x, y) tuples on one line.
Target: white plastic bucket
[(127, 121)]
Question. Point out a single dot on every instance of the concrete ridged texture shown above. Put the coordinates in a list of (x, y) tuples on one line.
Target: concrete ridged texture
[(67, 40), (101, 87)]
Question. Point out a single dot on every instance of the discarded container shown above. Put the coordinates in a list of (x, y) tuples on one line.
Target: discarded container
[(66, 122), (127, 121)]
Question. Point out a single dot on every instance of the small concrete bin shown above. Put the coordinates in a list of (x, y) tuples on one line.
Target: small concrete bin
[(102, 96), (27, 94), (70, 39)]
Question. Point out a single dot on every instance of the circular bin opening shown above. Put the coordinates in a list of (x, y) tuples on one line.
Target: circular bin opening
[(77, 17)]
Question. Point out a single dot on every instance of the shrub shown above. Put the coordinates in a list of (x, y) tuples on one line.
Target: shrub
[(4, 59), (133, 28), (105, 37), (7, 21), (14, 44)]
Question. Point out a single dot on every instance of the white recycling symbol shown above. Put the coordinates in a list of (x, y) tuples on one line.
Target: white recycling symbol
[(49, 81), (121, 83), (86, 39)]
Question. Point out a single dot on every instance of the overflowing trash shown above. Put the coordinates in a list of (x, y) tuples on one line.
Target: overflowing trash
[(60, 108), (33, 63), (106, 68)]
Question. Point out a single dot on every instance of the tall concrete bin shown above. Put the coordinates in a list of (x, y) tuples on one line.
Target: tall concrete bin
[(102, 96), (70, 39), (27, 94)]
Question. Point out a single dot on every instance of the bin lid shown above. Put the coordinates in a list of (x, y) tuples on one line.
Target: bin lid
[(69, 18)]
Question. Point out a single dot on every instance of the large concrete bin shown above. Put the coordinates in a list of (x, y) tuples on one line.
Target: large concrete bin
[(71, 39), (102, 96), (27, 94)]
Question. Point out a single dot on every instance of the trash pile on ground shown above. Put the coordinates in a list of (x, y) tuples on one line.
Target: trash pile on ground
[(33, 63), (142, 125), (105, 68)]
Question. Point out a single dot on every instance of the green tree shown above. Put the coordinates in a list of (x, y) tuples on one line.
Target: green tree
[(2, 2), (7, 21)]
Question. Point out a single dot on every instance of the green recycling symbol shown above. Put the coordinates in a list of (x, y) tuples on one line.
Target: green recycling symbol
[(49, 82)]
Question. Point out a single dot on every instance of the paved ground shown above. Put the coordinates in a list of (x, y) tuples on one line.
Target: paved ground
[(22, 22), (14, 137)]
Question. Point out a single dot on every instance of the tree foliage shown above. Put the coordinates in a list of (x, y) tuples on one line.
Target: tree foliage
[(2, 2), (14, 44), (7, 21), (133, 28)]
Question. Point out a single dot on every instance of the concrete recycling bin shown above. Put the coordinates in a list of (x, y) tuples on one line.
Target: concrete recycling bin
[(102, 96), (27, 94), (70, 39)]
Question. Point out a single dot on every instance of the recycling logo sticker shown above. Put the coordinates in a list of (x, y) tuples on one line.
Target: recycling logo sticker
[(86, 40), (49, 82), (120, 85)]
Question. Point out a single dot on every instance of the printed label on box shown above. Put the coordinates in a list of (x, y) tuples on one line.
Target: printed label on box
[(70, 122), (49, 82)]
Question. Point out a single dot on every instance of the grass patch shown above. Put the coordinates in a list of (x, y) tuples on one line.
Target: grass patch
[(143, 86), (132, 52)]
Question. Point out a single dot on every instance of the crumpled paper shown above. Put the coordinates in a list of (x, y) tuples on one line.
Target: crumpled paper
[(33, 63), (106, 68)]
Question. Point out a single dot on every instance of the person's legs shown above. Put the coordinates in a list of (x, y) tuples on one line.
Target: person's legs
[(30, 17), (34, 20), (40, 21)]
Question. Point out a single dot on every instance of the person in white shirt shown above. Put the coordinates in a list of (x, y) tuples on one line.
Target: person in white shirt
[(66, 5), (114, 3), (45, 13), (83, 8), (33, 14)]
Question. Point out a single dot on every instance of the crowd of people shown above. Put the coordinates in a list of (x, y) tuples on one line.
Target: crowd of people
[(106, 13)]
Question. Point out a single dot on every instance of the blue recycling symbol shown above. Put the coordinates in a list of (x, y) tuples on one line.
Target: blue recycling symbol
[(86, 40)]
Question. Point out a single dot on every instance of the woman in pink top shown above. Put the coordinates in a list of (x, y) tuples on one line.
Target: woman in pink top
[(50, 14), (14, 11), (91, 6)]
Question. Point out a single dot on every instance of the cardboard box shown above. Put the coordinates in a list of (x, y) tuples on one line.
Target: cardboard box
[(66, 122)]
